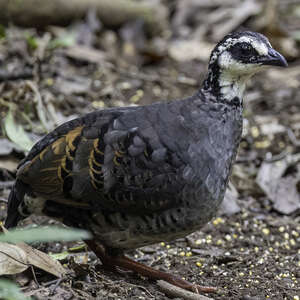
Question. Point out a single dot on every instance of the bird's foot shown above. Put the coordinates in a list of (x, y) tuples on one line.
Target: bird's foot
[(123, 262)]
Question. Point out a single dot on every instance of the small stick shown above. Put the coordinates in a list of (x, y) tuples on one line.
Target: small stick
[(174, 291), (34, 276), (58, 282), (293, 138)]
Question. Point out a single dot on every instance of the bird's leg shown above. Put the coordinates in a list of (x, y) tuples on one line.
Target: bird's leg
[(99, 250), (128, 264)]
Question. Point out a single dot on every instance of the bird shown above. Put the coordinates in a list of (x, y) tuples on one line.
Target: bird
[(139, 175)]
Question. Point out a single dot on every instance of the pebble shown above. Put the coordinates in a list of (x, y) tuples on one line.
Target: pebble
[(266, 231)]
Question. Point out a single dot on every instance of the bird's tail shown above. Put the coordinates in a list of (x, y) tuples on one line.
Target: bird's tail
[(15, 198)]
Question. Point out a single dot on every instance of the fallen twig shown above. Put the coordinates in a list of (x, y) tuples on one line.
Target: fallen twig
[(293, 138), (174, 291), (40, 108), (58, 282), (277, 157)]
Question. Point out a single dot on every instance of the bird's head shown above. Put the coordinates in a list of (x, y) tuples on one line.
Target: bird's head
[(236, 58)]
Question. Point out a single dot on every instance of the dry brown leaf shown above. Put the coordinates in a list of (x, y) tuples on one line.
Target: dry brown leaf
[(9, 162), (281, 190), (42, 260), (86, 54), (17, 258), (12, 259)]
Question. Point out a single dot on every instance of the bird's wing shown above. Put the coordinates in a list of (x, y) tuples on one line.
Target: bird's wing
[(105, 161)]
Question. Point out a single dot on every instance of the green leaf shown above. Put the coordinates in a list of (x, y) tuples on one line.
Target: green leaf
[(2, 32), (16, 133), (60, 256), (10, 291), (67, 39), (31, 41), (44, 234)]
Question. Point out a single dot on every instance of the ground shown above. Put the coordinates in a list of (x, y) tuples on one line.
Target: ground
[(249, 251)]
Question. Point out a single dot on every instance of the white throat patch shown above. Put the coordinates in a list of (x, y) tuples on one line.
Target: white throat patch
[(234, 75), (232, 86)]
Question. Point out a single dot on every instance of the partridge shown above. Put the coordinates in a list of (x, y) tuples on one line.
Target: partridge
[(135, 176)]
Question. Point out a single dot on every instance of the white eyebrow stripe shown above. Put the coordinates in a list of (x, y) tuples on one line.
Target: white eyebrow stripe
[(260, 47), (245, 39)]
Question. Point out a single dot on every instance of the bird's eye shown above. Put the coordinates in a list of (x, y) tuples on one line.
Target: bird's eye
[(246, 49)]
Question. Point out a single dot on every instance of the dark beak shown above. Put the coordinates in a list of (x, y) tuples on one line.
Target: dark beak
[(274, 58)]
